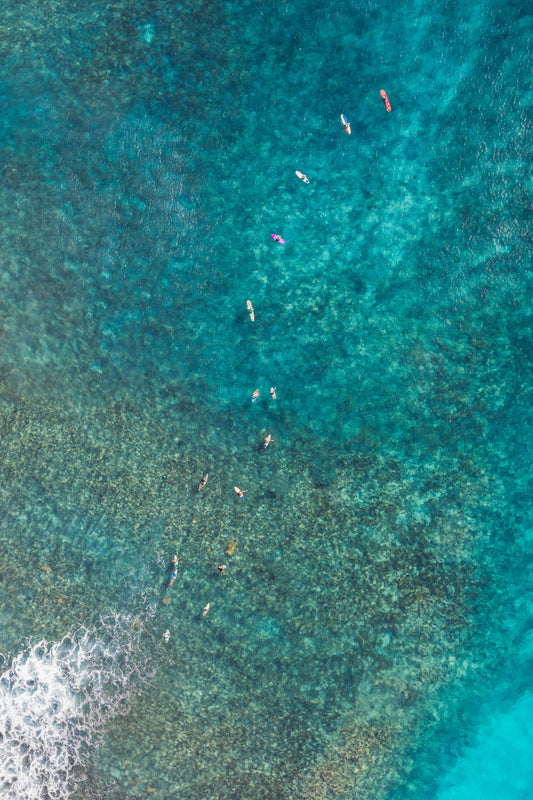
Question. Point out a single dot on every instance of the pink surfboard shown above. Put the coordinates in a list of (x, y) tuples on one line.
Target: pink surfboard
[(277, 238)]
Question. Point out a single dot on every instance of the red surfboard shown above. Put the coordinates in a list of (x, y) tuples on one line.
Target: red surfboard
[(385, 99)]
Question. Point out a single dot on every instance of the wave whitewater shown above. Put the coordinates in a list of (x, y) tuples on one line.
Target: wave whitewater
[(55, 701)]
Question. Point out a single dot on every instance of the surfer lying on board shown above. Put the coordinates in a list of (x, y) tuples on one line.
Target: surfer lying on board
[(174, 575), (346, 124), (385, 99)]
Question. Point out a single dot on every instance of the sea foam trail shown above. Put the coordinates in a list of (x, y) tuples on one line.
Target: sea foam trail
[(55, 700)]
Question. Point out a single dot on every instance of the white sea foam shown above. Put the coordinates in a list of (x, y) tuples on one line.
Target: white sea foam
[(55, 700)]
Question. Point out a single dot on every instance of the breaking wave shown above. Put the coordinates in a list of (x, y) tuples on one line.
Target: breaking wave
[(55, 701)]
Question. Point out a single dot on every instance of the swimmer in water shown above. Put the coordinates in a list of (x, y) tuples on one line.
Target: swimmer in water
[(203, 482), (222, 569), (174, 575)]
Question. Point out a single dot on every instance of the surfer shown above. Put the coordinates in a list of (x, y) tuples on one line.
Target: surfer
[(203, 482), (174, 575), (250, 310), (255, 395), (206, 609), (385, 99), (273, 392), (268, 440), (166, 635), (277, 238), (302, 177), (240, 492), (346, 124), (222, 569)]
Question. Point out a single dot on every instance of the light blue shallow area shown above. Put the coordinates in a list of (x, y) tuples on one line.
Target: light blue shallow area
[(499, 765), (371, 636)]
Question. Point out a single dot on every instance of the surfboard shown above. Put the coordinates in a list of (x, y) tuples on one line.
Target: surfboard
[(302, 177), (385, 99), (250, 308), (277, 238), (346, 124)]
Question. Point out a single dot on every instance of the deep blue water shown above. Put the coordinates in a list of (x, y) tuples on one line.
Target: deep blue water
[(371, 637)]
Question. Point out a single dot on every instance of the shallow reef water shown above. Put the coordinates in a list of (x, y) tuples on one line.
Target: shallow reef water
[(371, 635)]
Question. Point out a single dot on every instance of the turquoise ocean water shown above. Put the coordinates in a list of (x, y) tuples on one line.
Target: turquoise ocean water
[(373, 634)]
